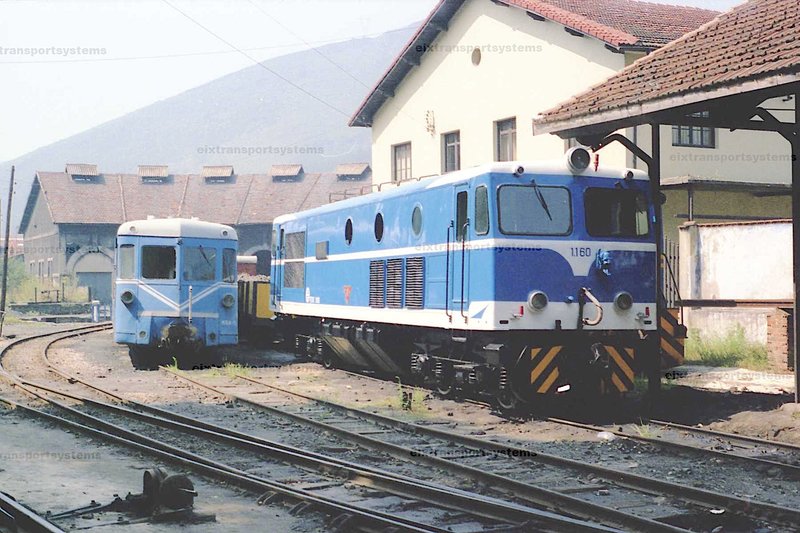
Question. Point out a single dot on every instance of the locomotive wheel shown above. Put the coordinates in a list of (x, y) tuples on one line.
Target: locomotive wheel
[(446, 390), (508, 401), (327, 361)]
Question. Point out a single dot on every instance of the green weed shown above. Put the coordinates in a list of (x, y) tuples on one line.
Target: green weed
[(729, 350)]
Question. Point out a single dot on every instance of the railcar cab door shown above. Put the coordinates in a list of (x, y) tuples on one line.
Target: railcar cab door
[(199, 271), (458, 292)]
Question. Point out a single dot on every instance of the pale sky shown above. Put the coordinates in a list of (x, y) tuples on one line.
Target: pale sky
[(148, 50)]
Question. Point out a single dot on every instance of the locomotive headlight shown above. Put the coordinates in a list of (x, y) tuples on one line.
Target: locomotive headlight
[(126, 297), (537, 300), (623, 301), (578, 159), (228, 300)]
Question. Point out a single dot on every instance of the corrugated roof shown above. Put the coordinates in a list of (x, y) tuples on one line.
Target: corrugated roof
[(219, 171), (81, 169), (286, 170), (352, 169), (756, 40), (115, 198), (618, 23), (153, 171)]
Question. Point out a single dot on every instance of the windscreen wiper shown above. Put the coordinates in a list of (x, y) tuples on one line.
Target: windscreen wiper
[(542, 201)]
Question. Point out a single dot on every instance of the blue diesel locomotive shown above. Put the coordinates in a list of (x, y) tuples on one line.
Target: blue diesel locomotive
[(512, 279), (175, 288)]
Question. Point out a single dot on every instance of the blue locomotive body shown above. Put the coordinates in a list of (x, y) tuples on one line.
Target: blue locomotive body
[(175, 287), (515, 278)]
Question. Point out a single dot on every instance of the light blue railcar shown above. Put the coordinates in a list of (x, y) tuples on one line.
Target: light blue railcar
[(516, 279), (175, 290)]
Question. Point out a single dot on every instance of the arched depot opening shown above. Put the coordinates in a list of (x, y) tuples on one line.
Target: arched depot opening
[(94, 269)]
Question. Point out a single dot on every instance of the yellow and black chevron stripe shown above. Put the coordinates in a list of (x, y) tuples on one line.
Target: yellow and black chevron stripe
[(621, 364), (673, 336), (545, 371), (544, 368)]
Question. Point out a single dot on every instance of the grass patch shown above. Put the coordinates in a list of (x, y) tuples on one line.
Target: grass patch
[(644, 431), (173, 367), (729, 350)]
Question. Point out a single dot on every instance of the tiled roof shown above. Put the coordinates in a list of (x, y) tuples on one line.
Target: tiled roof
[(618, 23), (758, 39), (351, 169), (153, 171), (81, 169), (622, 22), (286, 170), (115, 198), (218, 171)]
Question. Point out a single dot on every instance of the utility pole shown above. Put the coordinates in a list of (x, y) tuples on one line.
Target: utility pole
[(5, 254)]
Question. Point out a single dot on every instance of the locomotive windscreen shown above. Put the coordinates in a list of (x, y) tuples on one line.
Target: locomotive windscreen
[(534, 210), (616, 213), (158, 262), (199, 263)]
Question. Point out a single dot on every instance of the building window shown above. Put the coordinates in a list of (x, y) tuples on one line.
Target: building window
[(401, 162), (505, 132), (49, 267), (694, 136), (451, 151)]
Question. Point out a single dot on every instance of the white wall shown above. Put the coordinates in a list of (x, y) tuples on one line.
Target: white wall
[(736, 261), (526, 67)]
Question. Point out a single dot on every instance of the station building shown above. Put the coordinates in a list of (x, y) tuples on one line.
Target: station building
[(71, 217), (465, 88)]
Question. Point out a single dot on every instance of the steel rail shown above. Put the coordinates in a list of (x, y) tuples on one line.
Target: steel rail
[(734, 436), (687, 493), (371, 477), (794, 470), (531, 493), (397, 484), (22, 517), (224, 473)]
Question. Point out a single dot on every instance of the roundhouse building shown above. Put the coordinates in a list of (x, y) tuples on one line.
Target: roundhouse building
[(71, 217)]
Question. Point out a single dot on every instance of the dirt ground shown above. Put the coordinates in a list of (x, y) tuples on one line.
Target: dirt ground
[(55, 470)]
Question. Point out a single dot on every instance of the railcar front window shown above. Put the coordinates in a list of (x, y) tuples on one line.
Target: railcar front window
[(199, 263), (158, 262), (126, 262), (534, 210), (616, 213), (229, 265)]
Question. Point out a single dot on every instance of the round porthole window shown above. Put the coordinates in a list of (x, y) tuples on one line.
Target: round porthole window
[(378, 227), (476, 56), (416, 220), (348, 231)]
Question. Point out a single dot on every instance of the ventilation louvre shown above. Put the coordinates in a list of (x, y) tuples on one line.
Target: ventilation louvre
[(415, 282), (377, 283), (394, 283)]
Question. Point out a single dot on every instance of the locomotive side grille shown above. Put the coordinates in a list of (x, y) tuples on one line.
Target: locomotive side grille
[(394, 283), (415, 282), (377, 283)]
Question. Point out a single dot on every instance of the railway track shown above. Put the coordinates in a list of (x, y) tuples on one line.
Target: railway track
[(354, 494), (537, 477), (763, 454)]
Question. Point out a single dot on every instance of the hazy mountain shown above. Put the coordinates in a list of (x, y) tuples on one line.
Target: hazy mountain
[(251, 109)]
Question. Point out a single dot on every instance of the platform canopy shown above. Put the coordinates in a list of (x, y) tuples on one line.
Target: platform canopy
[(720, 76)]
